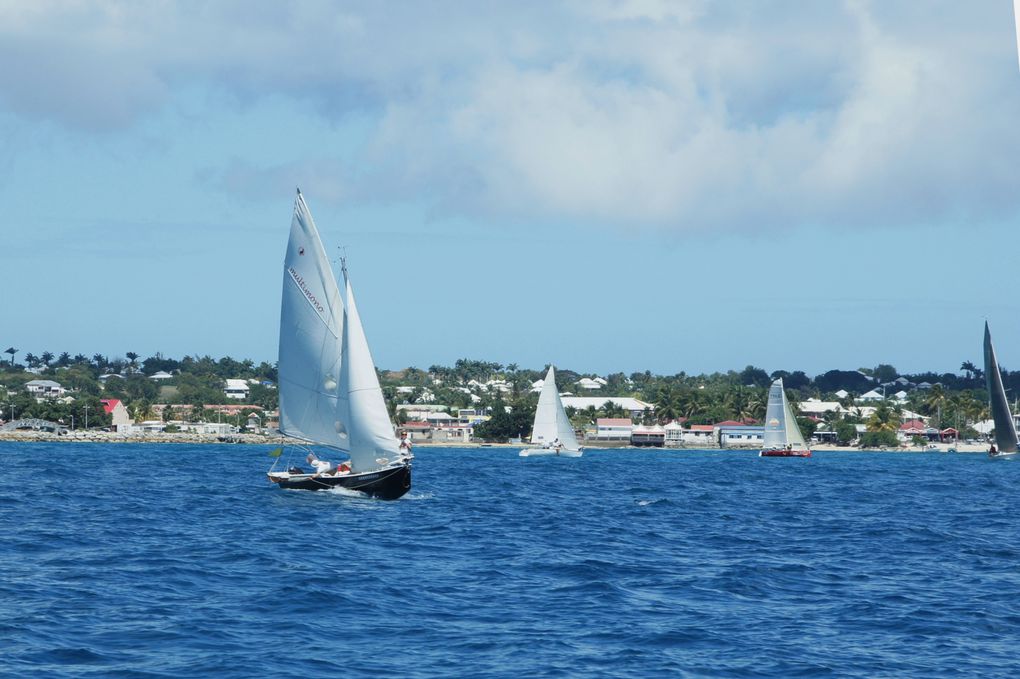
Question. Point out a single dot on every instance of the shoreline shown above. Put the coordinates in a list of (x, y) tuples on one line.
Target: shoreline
[(266, 439)]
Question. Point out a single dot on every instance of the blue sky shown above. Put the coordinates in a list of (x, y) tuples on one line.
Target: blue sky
[(687, 186)]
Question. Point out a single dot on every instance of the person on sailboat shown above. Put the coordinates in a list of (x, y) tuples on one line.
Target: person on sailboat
[(405, 444), (321, 466), (992, 450)]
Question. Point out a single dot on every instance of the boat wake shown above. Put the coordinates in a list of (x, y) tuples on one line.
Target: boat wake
[(651, 503)]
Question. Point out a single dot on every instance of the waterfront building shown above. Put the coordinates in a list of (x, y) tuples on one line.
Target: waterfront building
[(613, 429), (651, 436), (747, 435), (118, 412), (674, 434)]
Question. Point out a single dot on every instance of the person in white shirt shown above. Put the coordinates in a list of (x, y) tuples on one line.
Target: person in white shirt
[(405, 444), (321, 466)]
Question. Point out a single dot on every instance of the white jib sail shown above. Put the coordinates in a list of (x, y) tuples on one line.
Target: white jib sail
[(781, 428), (310, 328), (361, 406), (551, 420)]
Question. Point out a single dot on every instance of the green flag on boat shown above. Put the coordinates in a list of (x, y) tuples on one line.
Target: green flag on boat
[(276, 452)]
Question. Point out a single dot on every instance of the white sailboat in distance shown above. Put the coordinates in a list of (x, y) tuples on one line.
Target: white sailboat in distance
[(1005, 427), (552, 433), (329, 392), (782, 435)]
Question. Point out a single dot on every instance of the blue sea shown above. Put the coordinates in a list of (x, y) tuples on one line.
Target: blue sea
[(183, 561)]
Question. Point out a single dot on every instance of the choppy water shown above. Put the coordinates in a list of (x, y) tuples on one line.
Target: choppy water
[(166, 561)]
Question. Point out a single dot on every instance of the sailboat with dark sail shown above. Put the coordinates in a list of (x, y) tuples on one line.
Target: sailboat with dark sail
[(329, 392), (1005, 426)]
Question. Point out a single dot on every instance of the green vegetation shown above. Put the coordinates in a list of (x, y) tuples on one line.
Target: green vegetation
[(953, 400)]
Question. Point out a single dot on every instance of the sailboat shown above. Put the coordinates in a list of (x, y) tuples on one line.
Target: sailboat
[(1005, 426), (552, 433), (329, 391), (782, 435)]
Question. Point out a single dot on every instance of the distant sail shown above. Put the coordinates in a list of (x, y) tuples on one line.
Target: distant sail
[(1016, 20), (1005, 427), (361, 407), (551, 420), (310, 326), (781, 428)]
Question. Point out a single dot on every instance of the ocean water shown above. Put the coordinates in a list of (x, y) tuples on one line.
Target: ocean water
[(183, 561)]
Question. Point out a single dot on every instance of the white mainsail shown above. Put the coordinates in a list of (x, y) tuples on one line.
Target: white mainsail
[(781, 428), (310, 328), (551, 420), (1005, 426), (360, 407)]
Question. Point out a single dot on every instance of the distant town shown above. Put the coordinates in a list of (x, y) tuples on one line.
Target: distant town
[(476, 400)]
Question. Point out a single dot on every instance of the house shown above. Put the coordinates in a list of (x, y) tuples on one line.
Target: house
[(44, 389), (653, 436), (873, 395), (161, 376), (674, 434), (842, 394), (912, 428), (633, 406), (588, 384), (118, 412), (816, 408), (734, 435), (613, 429), (699, 434), (238, 389)]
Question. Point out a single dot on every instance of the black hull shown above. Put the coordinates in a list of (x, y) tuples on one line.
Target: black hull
[(386, 484)]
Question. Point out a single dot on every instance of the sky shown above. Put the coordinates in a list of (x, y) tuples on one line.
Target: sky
[(607, 185)]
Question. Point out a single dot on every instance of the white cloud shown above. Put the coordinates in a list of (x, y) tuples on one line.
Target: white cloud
[(675, 115)]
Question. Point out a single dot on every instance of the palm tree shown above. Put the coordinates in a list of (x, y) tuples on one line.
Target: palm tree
[(611, 409), (668, 403), (884, 418), (968, 368), (80, 358), (935, 401), (32, 360), (64, 359), (11, 351), (132, 359), (46, 357)]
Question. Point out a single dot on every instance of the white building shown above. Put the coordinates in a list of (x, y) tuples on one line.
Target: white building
[(873, 395), (633, 406), (674, 434), (613, 429), (161, 376), (588, 383), (700, 434), (238, 389), (44, 389)]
